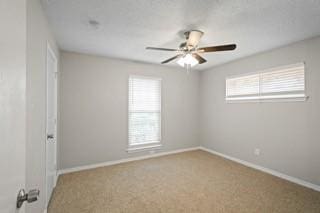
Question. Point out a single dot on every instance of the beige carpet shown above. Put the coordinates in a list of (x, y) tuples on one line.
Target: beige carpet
[(188, 182)]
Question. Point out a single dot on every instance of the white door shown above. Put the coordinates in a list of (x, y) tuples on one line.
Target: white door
[(51, 126), (12, 103)]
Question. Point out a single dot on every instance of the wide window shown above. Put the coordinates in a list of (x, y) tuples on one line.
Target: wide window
[(144, 112), (286, 82)]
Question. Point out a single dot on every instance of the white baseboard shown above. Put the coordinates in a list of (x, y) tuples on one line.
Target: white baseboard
[(266, 170), (246, 163), (109, 163)]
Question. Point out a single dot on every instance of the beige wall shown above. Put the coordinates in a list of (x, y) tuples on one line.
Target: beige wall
[(94, 98), (288, 133), (38, 34)]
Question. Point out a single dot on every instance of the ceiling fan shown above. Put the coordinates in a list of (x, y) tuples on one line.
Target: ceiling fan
[(188, 53)]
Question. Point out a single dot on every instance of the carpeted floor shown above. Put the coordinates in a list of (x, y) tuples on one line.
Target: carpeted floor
[(194, 181)]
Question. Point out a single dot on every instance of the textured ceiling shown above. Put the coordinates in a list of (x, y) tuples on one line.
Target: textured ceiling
[(128, 26)]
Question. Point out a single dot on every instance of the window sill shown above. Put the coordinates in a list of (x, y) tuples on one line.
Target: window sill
[(145, 147), (262, 99)]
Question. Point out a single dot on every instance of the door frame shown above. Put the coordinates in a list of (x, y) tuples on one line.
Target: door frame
[(52, 53)]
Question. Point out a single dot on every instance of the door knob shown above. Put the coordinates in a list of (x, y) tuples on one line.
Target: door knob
[(30, 197), (50, 136)]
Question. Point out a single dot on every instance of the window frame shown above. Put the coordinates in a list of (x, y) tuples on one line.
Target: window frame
[(290, 96), (147, 145)]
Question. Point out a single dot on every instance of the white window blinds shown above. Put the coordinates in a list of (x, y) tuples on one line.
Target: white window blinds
[(245, 85), (283, 82), (144, 110)]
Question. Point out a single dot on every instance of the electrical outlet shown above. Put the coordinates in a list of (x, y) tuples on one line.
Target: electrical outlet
[(256, 151)]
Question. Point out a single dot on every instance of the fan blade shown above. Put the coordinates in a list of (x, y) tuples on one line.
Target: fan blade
[(217, 48), (159, 48), (199, 58), (171, 59)]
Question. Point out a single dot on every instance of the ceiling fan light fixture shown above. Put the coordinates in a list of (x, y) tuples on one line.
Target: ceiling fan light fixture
[(189, 54), (187, 60)]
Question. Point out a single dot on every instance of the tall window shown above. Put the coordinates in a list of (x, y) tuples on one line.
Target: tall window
[(279, 83), (144, 112)]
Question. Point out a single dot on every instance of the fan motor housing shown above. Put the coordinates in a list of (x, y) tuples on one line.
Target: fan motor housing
[(187, 33), (193, 38)]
